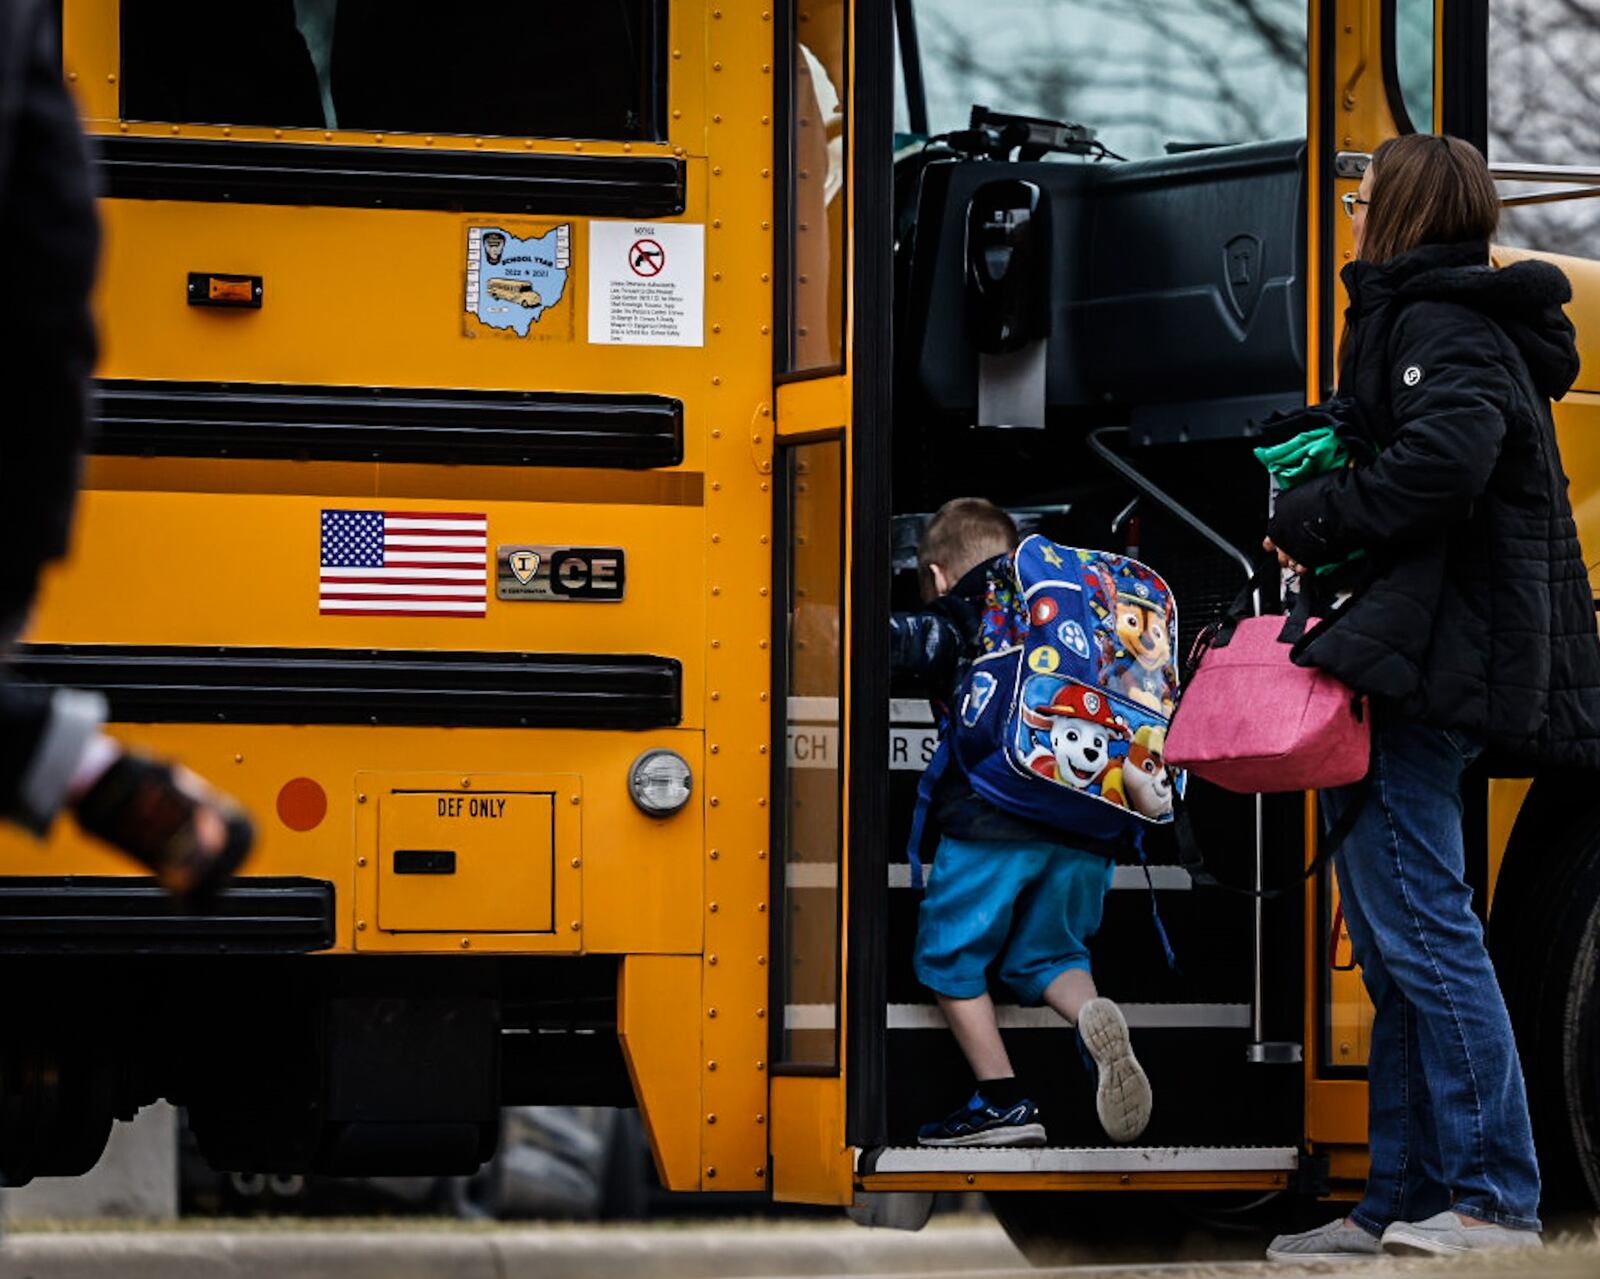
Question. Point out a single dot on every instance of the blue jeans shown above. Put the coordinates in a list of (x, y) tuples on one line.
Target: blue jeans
[(1447, 1108)]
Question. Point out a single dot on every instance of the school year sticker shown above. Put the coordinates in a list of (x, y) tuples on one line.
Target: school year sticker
[(647, 283)]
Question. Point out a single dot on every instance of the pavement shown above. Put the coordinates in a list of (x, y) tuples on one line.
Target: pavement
[(759, 1251)]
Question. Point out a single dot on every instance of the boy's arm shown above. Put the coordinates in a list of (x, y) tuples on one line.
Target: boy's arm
[(926, 646)]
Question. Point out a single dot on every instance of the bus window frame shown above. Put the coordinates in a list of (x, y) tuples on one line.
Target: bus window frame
[(783, 167), (782, 521), (359, 168), (1394, 92)]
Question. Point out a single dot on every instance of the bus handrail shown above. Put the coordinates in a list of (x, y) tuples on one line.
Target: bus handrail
[(1572, 182), (1161, 497)]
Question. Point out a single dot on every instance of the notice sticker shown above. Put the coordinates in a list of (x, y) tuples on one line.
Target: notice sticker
[(647, 283)]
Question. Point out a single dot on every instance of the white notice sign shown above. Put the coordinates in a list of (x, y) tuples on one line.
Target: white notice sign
[(647, 283)]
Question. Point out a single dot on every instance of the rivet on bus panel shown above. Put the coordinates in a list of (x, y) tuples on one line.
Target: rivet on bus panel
[(711, 1172), (577, 799), (761, 1065), (761, 1172), (766, 68), (712, 907), (715, 696), (761, 908), (175, 128), (716, 328), (761, 961), (761, 854), (576, 926), (715, 801), (711, 1065), (761, 1012), (766, 15), (716, 750), (677, 53), (716, 276), (712, 960), (361, 925), (764, 539), (711, 1119), (677, 114), (577, 863), (716, 224), (714, 854), (361, 861), (711, 1012), (466, 943), (761, 643), (361, 799), (716, 66), (716, 169), (764, 485), (466, 782), (716, 381)]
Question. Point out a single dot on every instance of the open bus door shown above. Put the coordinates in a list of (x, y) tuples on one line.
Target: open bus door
[(1190, 293)]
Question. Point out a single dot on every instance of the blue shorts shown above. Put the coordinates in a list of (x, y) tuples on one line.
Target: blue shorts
[(1034, 906)]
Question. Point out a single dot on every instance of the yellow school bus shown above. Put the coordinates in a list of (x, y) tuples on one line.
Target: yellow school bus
[(513, 426)]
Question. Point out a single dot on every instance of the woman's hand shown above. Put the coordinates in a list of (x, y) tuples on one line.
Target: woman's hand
[(1267, 544)]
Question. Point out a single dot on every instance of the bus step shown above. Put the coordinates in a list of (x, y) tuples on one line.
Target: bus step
[(1208, 1016), (1117, 1160)]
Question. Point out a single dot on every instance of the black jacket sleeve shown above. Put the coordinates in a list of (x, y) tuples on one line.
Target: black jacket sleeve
[(926, 646), (1450, 391), (48, 244)]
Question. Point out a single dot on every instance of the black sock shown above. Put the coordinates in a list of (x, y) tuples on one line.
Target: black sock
[(1002, 1094)]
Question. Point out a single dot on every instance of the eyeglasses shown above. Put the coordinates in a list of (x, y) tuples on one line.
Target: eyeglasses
[(1350, 199)]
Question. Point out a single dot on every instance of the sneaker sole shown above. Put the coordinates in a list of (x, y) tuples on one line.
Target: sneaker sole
[(1423, 1248), (1021, 1135), (1123, 1099)]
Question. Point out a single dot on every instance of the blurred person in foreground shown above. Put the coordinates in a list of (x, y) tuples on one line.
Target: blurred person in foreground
[(53, 754)]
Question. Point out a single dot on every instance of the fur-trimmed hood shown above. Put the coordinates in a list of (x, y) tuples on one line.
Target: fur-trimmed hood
[(1524, 298)]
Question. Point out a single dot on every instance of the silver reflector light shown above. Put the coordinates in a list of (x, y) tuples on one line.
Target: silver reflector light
[(660, 782)]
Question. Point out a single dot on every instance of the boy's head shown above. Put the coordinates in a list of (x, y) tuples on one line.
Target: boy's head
[(964, 532)]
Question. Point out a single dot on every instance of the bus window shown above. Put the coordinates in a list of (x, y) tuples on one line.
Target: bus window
[(817, 123), (1410, 74), (1143, 74), (589, 71), (813, 771)]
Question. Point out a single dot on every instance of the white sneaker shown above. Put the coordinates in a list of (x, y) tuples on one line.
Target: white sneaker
[(1122, 1099), (1336, 1241), (1445, 1235)]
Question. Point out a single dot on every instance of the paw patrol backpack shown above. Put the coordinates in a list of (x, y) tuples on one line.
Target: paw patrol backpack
[(1062, 718)]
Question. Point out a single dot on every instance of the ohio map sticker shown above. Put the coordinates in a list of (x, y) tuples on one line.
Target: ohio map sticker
[(647, 283), (519, 280)]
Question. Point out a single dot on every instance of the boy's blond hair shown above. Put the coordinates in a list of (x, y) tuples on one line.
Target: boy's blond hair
[(962, 534)]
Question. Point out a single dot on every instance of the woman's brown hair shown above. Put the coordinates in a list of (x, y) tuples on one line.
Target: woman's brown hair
[(1427, 188)]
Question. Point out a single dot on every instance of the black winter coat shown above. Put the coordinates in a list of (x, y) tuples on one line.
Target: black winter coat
[(49, 238), (1476, 613)]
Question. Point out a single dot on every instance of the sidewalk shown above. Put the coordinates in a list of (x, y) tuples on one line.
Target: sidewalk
[(666, 1252)]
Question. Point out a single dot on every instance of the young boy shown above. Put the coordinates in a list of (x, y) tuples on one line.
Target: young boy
[(1002, 887)]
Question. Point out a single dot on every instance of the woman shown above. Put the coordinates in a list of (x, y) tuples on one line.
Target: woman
[(1471, 626)]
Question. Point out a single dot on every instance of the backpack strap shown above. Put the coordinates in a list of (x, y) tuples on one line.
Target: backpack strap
[(1155, 906), (926, 785)]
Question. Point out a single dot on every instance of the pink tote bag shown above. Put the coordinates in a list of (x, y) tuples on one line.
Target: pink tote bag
[(1250, 720)]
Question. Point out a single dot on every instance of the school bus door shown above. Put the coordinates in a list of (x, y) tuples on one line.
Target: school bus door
[(831, 574)]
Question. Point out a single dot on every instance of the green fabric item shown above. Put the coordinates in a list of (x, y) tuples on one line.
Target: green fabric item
[(1306, 456)]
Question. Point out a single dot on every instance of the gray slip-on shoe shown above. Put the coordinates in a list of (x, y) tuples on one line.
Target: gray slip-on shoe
[(1336, 1241), (1445, 1235), (1122, 1097)]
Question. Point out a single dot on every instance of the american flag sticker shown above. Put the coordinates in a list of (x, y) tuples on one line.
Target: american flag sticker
[(404, 563)]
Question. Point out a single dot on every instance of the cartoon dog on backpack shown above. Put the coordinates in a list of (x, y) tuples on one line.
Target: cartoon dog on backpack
[(1145, 778), (1144, 669), (1072, 737)]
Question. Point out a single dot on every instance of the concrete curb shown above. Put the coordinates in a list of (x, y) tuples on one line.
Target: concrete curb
[(626, 1253)]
